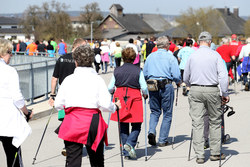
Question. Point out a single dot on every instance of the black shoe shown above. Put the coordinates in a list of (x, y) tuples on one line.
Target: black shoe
[(247, 86), (206, 145), (151, 139), (184, 92), (217, 157), (225, 138), (200, 160), (163, 144)]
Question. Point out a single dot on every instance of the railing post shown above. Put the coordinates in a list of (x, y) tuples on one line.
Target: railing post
[(47, 79), (32, 83)]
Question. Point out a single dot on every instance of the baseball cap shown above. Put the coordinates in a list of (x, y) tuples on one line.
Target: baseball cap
[(205, 36), (234, 36)]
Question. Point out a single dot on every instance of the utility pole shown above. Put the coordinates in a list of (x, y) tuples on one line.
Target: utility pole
[(91, 31)]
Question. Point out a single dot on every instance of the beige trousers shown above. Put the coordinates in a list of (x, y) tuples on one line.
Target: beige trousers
[(200, 100)]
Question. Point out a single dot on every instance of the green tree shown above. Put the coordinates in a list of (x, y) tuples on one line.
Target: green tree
[(203, 19), (48, 21), (91, 14)]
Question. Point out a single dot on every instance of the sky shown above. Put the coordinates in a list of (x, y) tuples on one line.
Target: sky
[(169, 7)]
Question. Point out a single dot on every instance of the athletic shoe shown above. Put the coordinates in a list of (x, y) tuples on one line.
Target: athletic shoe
[(64, 152), (200, 160), (163, 144), (127, 157), (184, 92), (217, 157), (151, 139), (247, 86), (130, 150)]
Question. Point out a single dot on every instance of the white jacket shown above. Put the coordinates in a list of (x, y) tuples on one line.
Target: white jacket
[(12, 121)]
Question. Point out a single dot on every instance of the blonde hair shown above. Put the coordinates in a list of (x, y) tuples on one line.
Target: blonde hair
[(5, 45)]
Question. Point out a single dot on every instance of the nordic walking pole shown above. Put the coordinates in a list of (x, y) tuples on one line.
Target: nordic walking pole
[(119, 132), (145, 122), (220, 148), (175, 110), (108, 122), (189, 152), (19, 149), (34, 159)]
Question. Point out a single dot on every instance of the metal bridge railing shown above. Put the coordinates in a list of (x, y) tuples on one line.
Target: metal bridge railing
[(34, 76)]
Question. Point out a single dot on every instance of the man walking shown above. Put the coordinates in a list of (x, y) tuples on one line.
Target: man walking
[(204, 71), (160, 70), (65, 66)]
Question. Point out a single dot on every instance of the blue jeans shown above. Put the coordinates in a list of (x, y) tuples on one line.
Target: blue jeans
[(161, 100), (112, 61), (245, 78), (132, 137)]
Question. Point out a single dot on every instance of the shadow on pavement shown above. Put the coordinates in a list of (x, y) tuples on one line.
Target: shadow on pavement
[(110, 147), (140, 152), (38, 162)]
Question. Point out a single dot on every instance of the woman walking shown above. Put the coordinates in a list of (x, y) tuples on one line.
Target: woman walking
[(129, 81), (84, 95)]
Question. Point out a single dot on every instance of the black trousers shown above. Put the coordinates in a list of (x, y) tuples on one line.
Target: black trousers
[(74, 155), (10, 152), (118, 62), (97, 66)]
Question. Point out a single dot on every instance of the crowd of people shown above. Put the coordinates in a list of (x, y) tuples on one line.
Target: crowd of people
[(44, 48), (142, 70)]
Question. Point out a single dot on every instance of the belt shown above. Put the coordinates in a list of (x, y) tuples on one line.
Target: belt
[(164, 81), (161, 83), (204, 85)]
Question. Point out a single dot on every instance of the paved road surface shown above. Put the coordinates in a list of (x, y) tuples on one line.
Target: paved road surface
[(238, 149)]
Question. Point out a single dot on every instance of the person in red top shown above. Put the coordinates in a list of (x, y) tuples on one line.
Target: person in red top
[(234, 45), (226, 52), (32, 48)]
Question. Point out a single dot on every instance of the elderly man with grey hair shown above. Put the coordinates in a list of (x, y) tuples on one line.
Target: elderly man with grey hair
[(204, 72), (160, 70)]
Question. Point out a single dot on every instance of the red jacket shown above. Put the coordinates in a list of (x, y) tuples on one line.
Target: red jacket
[(234, 45), (85, 126), (226, 52), (132, 110)]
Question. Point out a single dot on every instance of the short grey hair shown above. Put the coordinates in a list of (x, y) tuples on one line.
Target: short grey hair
[(5, 45), (162, 42)]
